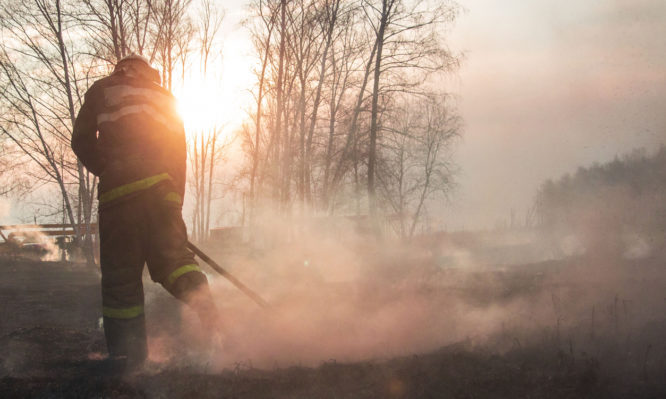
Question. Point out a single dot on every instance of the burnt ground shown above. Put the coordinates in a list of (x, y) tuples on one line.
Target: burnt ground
[(50, 344)]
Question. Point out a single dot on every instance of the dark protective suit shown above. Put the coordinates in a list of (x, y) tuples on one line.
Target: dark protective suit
[(128, 133)]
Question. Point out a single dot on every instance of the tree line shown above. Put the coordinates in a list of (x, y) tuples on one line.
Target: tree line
[(608, 202), (350, 114)]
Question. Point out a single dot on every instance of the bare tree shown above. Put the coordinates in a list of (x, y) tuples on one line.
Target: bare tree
[(170, 24), (40, 93), (262, 35), (209, 22), (342, 59), (416, 164), (108, 23), (407, 39), (352, 59), (208, 146), (14, 171), (330, 31)]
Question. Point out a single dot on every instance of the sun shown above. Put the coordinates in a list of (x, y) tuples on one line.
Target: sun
[(219, 98), (200, 104)]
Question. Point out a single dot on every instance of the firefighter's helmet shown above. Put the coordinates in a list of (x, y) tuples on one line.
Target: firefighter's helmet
[(134, 57), (133, 60)]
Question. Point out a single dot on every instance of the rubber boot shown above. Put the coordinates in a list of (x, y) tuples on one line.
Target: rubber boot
[(126, 341)]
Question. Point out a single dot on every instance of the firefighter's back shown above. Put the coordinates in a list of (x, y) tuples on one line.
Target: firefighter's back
[(140, 134)]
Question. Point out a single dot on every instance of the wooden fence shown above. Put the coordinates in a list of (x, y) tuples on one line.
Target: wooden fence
[(48, 229)]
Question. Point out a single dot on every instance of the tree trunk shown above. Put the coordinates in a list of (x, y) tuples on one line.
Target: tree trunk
[(279, 99), (210, 184), (350, 142), (372, 151), (257, 134)]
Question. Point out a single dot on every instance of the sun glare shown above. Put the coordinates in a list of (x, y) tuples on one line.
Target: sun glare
[(220, 98), (201, 105)]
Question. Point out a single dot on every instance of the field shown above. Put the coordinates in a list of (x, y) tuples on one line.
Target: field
[(544, 330)]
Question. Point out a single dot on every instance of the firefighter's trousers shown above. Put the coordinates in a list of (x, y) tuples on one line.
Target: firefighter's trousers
[(147, 228)]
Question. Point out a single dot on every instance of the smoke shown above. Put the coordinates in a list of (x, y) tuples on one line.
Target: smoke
[(34, 243), (338, 296), (5, 208), (635, 246)]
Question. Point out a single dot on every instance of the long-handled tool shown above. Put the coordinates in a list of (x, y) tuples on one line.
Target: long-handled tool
[(228, 276)]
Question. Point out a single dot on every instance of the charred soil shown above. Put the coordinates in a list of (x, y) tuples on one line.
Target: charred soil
[(50, 342)]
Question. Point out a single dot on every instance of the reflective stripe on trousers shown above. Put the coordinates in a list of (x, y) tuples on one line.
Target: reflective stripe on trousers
[(182, 270)]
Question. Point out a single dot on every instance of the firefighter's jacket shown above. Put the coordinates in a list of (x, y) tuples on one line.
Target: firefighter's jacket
[(129, 134)]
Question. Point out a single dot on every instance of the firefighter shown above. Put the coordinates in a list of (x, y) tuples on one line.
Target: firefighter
[(129, 134)]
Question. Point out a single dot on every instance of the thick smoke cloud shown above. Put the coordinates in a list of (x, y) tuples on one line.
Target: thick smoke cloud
[(352, 299)]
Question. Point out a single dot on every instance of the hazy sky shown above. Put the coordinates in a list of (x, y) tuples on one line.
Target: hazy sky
[(547, 86)]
